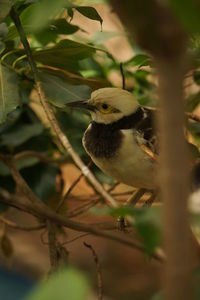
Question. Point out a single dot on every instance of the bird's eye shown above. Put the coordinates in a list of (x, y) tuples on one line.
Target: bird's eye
[(104, 106)]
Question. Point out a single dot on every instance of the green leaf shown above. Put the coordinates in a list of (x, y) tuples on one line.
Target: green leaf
[(20, 164), (89, 12), (42, 179), (70, 13), (147, 222), (139, 60), (2, 47), (56, 27), (9, 92), (21, 134), (3, 30), (61, 26), (4, 171), (65, 55), (194, 128), (158, 296), (148, 225), (60, 92), (5, 6), (192, 102), (65, 284), (40, 13), (188, 12)]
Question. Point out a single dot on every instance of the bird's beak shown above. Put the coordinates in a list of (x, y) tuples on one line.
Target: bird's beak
[(82, 104)]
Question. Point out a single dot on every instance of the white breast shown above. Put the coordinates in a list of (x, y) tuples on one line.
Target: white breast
[(130, 164)]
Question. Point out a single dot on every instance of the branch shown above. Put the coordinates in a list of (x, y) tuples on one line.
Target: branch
[(51, 117), (136, 196), (21, 184), (46, 213), (155, 27), (98, 268), (38, 155), (13, 225), (52, 244)]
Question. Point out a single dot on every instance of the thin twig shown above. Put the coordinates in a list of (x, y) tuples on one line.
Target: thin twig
[(75, 238), (123, 76), (98, 268), (64, 198), (41, 157), (52, 243), (136, 196), (51, 117), (14, 225), (85, 207), (150, 200), (45, 212)]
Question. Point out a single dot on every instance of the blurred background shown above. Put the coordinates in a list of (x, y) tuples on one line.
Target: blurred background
[(126, 273)]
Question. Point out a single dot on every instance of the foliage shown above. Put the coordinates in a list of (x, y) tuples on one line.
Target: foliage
[(70, 68), (75, 287)]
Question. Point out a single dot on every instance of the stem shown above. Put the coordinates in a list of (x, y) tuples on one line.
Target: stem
[(175, 182), (51, 117)]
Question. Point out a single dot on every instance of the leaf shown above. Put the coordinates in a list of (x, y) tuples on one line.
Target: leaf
[(61, 26), (74, 78), (42, 179), (2, 47), (89, 12), (21, 134), (56, 27), (4, 171), (40, 13), (3, 30), (192, 102), (5, 6), (70, 13), (194, 128), (9, 92), (65, 55), (188, 13), (65, 284), (20, 164), (139, 60), (158, 296), (147, 222), (60, 92), (148, 225)]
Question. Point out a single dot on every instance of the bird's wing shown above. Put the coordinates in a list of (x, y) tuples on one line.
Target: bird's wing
[(146, 128)]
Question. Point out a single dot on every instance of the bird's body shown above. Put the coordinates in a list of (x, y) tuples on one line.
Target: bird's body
[(115, 138), (118, 153)]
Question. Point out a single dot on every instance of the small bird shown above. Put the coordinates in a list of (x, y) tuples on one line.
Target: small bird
[(121, 139)]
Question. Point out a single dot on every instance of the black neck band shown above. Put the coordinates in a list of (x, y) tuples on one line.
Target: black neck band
[(126, 122)]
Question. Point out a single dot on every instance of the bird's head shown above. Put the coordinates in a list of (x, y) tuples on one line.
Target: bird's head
[(108, 105)]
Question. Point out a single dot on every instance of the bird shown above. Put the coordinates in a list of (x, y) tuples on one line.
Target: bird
[(120, 138)]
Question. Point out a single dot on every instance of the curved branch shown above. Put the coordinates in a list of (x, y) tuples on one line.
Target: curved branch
[(51, 117), (46, 213)]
